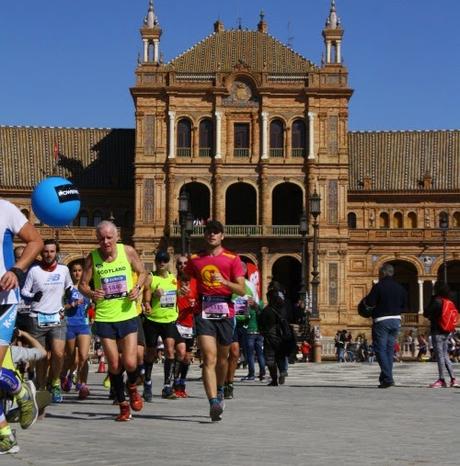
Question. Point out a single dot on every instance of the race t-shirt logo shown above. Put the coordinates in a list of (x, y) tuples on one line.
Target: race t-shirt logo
[(208, 273), (67, 192)]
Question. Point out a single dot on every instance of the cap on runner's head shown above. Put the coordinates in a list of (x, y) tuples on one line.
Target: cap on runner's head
[(162, 256), (214, 226)]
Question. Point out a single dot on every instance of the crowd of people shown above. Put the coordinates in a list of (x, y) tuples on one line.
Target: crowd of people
[(49, 315), (210, 301)]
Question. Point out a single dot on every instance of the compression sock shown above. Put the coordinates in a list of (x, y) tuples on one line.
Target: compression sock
[(9, 383), (148, 371), (132, 377), (168, 371), (118, 386)]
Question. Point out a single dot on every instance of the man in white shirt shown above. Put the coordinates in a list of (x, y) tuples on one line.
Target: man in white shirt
[(13, 222), (45, 285)]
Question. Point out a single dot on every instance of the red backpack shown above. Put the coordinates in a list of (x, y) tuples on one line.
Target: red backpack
[(449, 314)]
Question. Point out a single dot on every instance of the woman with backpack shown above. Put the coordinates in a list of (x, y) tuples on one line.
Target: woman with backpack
[(442, 313)]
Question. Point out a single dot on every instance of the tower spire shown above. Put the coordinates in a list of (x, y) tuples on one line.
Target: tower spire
[(151, 33), (333, 34)]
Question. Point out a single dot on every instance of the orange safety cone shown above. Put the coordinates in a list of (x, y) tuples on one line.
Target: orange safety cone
[(101, 368)]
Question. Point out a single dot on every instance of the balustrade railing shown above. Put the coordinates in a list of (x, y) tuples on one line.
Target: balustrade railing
[(277, 231)]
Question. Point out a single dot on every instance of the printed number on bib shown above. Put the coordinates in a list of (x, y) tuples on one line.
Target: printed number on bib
[(241, 306), (214, 307), (48, 320), (114, 287), (168, 299)]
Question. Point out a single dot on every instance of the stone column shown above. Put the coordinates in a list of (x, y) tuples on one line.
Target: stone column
[(264, 116), (339, 52), (195, 142), (218, 203), (264, 198), (328, 52), (311, 135), (420, 296), (172, 134), (146, 50), (218, 116), (263, 271), (156, 50)]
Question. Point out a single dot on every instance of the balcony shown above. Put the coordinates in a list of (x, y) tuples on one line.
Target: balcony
[(298, 152), (184, 151), (241, 152), (245, 231), (205, 152), (276, 152)]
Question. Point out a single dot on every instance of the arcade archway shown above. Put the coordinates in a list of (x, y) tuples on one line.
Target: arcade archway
[(287, 271)]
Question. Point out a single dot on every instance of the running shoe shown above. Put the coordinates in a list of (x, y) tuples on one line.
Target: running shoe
[(78, 386), (168, 394), (83, 393), (147, 395), (135, 400), (125, 412), (8, 443), (216, 409), (228, 391), (56, 395), (248, 378), (106, 382), (438, 384), (28, 408), (66, 384), (453, 383)]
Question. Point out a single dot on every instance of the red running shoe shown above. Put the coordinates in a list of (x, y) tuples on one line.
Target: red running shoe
[(125, 412), (135, 399), (66, 383), (438, 384)]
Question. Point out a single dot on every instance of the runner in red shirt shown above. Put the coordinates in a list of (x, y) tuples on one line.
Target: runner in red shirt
[(219, 274), (186, 305)]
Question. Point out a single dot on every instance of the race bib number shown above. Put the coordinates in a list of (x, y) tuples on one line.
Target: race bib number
[(185, 332), (168, 299), (241, 306), (48, 320), (214, 307), (115, 287)]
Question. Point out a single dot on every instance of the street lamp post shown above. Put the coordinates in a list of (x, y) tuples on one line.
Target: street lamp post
[(444, 226), (189, 230), (303, 230), (183, 210), (315, 210), (314, 207)]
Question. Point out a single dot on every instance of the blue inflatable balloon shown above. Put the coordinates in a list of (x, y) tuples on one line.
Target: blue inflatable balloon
[(56, 201)]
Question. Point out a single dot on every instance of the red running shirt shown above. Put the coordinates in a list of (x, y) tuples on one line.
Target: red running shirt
[(203, 266), (186, 304)]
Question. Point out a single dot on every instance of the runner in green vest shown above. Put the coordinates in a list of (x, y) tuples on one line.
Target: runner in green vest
[(111, 268)]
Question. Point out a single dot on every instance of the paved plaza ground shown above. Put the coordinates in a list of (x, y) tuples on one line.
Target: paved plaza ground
[(326, 413)]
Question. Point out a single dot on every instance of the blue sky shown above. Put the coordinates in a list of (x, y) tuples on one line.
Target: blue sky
[(71, 63)]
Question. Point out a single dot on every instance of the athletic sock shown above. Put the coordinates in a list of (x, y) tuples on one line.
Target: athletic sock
[(9, 383), (184, 369), (148, 371), (168, 371), (5, 431), (118, 387), (132, 377)]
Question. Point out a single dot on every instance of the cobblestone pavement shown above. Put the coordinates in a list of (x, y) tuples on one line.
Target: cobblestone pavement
[(325, 414)]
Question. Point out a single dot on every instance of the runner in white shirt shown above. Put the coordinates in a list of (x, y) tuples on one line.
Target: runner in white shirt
[(45, 284), (13, 222)]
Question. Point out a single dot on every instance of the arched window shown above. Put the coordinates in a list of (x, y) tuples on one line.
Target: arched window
[(384, 220), (83, 218), (26, 213), (412, 218), (276, 138), (128, 218), (97, 217), (351, 218), (456, 220), (397, 220), (299, 139), (206, 137), (184, 138)]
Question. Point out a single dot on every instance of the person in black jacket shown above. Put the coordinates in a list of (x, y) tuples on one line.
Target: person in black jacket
[(269, 326), (388, 299), (439, 337)]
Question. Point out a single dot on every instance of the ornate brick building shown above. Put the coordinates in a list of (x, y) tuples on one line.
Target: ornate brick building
[(249, 128)]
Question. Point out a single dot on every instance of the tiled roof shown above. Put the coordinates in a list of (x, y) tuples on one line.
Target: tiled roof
[(398, 160), (90, 157), (221, 51)]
